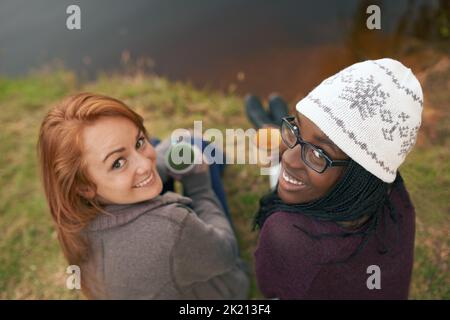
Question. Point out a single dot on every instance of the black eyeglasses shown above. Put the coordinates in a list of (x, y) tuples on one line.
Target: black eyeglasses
[(312, 156)]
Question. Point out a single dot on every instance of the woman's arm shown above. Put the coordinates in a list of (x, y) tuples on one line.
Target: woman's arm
[(205, 258), (197, 186)]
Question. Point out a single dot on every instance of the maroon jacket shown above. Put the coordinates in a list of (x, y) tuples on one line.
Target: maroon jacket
[(292, 265)]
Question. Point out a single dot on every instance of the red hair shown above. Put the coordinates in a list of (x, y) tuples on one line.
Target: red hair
[(64, 173)]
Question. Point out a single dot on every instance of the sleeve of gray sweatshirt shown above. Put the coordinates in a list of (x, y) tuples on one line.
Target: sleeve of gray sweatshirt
[(207, 248)]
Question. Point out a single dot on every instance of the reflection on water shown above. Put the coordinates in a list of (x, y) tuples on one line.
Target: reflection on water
[(242, 46)]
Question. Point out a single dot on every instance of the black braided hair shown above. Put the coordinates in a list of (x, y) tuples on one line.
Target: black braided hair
[(356, 195)]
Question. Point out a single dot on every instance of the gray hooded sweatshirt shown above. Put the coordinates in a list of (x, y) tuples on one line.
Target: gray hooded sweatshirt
[(169, 247)]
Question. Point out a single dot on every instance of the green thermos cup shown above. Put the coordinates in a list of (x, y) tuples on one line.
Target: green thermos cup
[(180, 157)]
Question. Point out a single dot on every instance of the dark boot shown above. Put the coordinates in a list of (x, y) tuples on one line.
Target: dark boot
[(256, 113), (278, 109)]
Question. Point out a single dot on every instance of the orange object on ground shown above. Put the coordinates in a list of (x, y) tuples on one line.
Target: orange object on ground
[(268, 138)]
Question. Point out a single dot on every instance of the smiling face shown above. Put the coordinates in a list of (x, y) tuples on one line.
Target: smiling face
[(297, 182), (120, 161)]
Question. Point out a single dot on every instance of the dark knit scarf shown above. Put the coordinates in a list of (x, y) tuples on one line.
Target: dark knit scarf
[(356, 195)]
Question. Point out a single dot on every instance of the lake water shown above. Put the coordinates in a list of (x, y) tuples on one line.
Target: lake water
[(252, 45)]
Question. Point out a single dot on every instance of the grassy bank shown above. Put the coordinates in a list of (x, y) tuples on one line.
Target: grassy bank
[(31, 265)]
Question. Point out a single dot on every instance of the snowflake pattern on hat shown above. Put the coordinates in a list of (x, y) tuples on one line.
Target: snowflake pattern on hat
[(370, 100), (365, 95)]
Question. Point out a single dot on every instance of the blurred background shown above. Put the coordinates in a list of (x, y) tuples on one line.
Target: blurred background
[(180, 61)]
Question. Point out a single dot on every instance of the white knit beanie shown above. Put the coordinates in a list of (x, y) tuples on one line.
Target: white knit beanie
[(372, 111)]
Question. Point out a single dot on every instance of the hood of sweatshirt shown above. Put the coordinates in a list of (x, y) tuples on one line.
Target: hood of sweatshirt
[(120, 214)]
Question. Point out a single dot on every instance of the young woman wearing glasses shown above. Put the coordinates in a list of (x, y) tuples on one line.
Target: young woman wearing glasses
[(340, 224)]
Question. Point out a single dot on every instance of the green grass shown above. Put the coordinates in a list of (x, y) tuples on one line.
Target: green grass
[(31, 263)]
